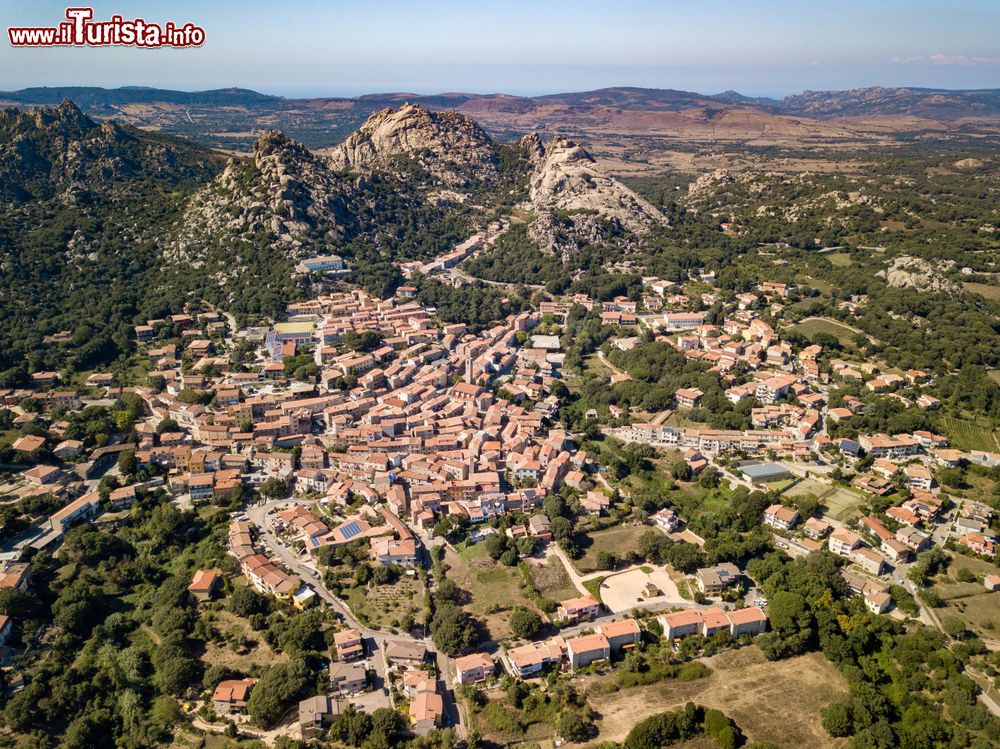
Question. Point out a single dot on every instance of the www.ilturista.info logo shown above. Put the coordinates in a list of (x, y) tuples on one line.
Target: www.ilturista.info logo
[(80, 30)]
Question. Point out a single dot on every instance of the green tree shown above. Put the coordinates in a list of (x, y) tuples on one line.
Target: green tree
[(572, 727), (525, 623), (837, 719), (274, 488), (452, 629), (278, 689)]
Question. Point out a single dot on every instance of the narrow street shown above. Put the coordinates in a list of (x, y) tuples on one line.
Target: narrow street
[(375, 640)]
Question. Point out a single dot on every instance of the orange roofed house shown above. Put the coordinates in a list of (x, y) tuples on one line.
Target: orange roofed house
[(707, 622), (528, 660), (578, 609), (473, 668), (586, 649), (232, 696), (204, 584), (349, 644), (621, 634), (426, 712)]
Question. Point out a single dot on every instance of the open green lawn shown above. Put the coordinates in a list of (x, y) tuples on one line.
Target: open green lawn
[(616, 540), (594, 363), (780, 485), (808, 486), (840, 259), (966, 434)]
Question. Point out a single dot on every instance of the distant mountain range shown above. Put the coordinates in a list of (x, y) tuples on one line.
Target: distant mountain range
[(920, 102), (231, 118)]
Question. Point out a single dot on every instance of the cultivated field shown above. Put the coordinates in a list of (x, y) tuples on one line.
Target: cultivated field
[(969, 435), (776, 701), (385, 606)]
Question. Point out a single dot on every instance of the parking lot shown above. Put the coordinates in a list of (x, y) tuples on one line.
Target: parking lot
[(623, 591)]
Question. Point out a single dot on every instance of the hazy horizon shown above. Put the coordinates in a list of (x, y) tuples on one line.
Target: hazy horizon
[(345, 48), (351, 94)]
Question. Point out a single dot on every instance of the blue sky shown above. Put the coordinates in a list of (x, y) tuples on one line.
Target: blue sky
[(347, 47)]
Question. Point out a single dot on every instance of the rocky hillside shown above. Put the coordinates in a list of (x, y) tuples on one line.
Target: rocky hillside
[(84, 211), (905, 271), (432, 164), (61, 151), (576, 203), (282, 190), (453, 149)]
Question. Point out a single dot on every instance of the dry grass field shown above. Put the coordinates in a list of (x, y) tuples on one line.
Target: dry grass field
[(258, 655), (494, 589), (617, 540), (552, 580), (776, 701)]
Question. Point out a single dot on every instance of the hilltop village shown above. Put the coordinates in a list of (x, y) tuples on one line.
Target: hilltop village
[(445, 508)]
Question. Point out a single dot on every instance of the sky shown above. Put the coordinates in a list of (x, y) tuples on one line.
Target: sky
[(526, 47)]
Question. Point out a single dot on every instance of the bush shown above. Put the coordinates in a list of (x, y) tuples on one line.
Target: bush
[(606, 560), (502, 718), (720, 728), (965, 575), (837, 719), (572, 727)]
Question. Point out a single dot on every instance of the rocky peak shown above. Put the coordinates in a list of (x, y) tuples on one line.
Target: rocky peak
[(568, 186), (65, 118), (449, 146), (532, 146), (282, 189), (276, 143)]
